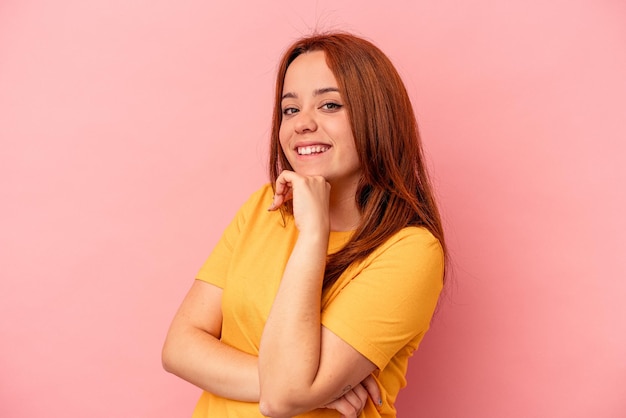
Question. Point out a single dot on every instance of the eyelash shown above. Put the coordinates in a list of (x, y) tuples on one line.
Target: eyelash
[(289, 111), (335, 106)]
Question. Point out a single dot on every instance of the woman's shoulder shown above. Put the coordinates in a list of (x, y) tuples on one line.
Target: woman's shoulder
[(412, 243), (263, 193), (260, 198), (414, 236)]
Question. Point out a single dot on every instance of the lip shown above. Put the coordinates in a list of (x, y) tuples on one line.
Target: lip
[(310, 144), (311, 151)]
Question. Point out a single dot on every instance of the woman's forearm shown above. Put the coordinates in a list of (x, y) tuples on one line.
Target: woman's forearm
[(193, 350), (199, 358), (290, 347)]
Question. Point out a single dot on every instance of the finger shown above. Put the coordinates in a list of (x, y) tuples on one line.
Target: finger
[(283, 182), (370, 384), (283, 190), (362, 394), (279, 199), (354, 400), (345, 408)]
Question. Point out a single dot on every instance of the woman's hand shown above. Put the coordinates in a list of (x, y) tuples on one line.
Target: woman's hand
[(311, 197), (351, 404)]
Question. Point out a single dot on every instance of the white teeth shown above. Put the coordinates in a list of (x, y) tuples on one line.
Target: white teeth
[(312, 149)]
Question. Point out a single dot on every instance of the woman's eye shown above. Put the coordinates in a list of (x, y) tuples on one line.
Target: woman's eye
[(289, 111), (331, 106)]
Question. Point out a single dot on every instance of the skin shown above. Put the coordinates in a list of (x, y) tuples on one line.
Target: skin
[(301, 365), (314, 114)]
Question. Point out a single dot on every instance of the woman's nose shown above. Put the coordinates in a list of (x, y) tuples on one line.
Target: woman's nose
[(305, 122)]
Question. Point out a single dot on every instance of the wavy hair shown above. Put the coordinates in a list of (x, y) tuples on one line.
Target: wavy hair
[(394, 190)]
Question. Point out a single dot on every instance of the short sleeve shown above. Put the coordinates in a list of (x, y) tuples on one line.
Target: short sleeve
[(389, 302), (215, 268)]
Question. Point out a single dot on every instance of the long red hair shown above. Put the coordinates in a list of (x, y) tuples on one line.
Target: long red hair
[(394, 190)]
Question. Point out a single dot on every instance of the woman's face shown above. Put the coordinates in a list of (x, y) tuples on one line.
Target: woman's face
[(315, 132)]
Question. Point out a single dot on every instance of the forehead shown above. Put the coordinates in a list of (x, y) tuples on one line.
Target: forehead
[(308, 71)]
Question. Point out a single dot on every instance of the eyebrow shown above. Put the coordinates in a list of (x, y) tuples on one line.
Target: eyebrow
[(315, 93)]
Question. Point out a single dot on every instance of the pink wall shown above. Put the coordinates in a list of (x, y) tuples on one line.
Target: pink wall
[(132, 130)]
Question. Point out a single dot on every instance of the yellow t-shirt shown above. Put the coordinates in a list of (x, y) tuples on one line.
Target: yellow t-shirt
[(381, 306)]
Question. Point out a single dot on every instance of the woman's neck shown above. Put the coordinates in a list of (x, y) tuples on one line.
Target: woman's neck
[(344, 213)]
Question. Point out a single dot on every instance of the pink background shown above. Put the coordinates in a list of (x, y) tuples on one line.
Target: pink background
[(132, 130)]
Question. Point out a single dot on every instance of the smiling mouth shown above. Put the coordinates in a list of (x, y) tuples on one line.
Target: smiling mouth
[(317, 149)]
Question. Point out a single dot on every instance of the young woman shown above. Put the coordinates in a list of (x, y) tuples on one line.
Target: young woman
[(325, 282)]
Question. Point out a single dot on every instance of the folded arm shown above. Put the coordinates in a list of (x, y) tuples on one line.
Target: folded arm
[(301, 364), (193, 351)]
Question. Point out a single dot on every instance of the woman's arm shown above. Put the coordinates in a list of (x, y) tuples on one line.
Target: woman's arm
[(303, 365), (193, 351)]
